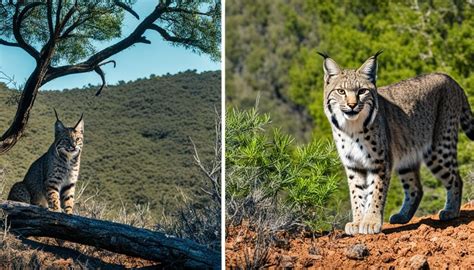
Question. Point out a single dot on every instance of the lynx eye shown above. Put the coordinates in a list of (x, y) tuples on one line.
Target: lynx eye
[(362, 91), (341, 91)]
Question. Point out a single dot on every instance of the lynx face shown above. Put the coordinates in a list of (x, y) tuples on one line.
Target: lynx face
[(69, 140), (350, 95)]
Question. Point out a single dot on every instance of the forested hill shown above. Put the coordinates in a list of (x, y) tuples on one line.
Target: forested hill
[(272, 45), (137, 135), (271, 48)]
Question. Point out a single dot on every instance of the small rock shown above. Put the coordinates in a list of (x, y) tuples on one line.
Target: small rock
[(282, 243), (315, 257), (357, 252), (463, 236), (404, 251), (313, 250), (418, 262), (404, 237), (386, 258), (423, 228), (449, 231), (471, 238)]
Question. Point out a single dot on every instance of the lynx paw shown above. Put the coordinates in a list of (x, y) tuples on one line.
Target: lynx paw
[(399, 219), (352, 228), (370, 227), (448, 214)]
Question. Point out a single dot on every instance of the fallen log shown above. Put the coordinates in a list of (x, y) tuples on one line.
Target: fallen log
[(29, 220)]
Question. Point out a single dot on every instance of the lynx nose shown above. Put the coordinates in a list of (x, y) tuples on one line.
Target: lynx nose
[(352, 105)]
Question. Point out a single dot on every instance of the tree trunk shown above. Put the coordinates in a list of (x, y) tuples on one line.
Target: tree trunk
[(28, 220)]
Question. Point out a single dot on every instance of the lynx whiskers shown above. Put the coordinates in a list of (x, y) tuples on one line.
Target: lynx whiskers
[(394, 127), (50, 181)]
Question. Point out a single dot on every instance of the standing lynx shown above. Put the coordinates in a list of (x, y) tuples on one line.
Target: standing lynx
[(50, 181), (397, 126)]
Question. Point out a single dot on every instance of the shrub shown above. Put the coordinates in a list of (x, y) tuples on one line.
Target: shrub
[(299, 179)]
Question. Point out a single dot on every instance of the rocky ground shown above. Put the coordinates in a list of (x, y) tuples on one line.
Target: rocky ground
[(424, 243)]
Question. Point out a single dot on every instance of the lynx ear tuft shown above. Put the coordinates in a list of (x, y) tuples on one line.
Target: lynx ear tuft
[(369, 68), (330, 67), (58, 126), (80, 124)]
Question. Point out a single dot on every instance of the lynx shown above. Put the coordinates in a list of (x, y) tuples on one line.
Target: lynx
[(50, 181), (394, 127)]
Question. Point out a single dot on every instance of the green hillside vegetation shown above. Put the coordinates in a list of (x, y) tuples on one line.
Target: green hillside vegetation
[(137, 136), (271, 52)]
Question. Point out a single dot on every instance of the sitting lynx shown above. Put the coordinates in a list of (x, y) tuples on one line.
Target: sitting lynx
[(397, 126), (50, 181)]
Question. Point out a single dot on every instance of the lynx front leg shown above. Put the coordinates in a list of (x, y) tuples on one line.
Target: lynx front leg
[(357, 184), (376, 194), (67, 198), (52, 193)]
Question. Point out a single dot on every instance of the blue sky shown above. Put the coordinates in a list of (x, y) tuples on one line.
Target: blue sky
[(138, 61)]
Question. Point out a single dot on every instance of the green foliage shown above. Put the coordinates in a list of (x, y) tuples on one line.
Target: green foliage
[(104, 21), (206, 30), (97, 21), (137, 137), (271, 50), (302, 178)]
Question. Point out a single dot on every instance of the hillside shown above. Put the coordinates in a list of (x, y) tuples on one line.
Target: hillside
[(424, 243), (271, 52), (137, 136)]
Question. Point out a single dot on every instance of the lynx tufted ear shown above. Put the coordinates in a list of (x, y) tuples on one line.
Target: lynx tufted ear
[(330, 67), (58, 126), (80, 124), (369, 68)]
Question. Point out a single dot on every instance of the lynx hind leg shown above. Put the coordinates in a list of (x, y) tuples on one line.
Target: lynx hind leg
[(410, 179), (442, 161), (19, 193)]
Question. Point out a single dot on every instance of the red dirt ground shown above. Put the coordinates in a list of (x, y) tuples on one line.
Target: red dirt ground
[(424, 243)]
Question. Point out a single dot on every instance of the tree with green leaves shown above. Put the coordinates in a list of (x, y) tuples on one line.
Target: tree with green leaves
[(60, 35)]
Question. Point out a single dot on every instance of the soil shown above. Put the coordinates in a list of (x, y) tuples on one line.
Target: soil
[(424, 243)]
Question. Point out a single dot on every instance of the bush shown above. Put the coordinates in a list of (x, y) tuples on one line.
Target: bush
[(297, 180)]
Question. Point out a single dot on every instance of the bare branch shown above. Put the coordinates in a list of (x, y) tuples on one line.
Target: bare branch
[(192, 12), (91, 63), (143, 39), (8, 43), (127, 8), (101, 73), (108, 62), (18, 18), (61, 24), (58, 12), (49, 11), (168, 37)]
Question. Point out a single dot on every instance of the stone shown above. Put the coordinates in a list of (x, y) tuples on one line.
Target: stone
[(357, 252), (419, 262)]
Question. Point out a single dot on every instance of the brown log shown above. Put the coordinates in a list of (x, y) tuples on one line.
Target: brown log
[(28, 220)]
